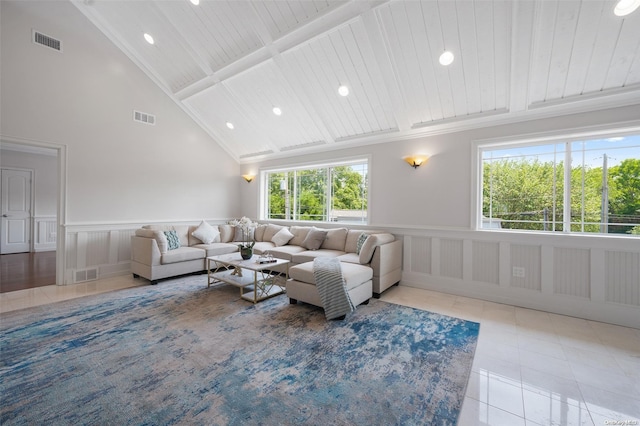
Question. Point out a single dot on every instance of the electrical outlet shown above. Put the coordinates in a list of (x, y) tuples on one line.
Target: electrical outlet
[(518, 271)]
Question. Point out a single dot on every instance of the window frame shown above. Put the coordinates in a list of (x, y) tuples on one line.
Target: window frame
[(347, 161), (567, 138)]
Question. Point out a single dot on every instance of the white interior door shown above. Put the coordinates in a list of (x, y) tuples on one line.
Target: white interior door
[(15, 234)]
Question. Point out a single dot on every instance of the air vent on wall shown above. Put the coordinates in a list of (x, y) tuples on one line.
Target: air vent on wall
[(143, 117), (45, 40), (84, 275)]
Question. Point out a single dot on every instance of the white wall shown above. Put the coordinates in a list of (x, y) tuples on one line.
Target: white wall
[(119, 173), (430, 210)]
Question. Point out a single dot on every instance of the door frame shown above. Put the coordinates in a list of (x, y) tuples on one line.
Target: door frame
[(61, 219), (32, 201)]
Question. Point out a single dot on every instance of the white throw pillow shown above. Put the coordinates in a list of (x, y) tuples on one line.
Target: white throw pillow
[(282, 237), (206, 233)]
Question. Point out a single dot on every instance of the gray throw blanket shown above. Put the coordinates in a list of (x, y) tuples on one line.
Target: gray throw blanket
[(331, 287)]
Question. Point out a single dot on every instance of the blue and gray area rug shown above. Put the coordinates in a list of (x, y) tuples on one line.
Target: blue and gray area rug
[(182, 353)]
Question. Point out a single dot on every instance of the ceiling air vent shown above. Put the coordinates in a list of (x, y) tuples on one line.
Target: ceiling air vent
[(143, 117), (45, 40)]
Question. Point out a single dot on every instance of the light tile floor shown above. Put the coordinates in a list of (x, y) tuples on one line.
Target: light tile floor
[(531, 367)]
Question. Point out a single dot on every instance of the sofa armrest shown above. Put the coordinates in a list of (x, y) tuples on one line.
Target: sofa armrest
[(145, 250), (387, 258)]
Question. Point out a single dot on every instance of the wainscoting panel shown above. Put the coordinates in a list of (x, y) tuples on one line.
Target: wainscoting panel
[(577, 275), (451, 258), (124, 245), (486, 261), (97, 248), (71, 250), (100, 251), (420, 255), (529, 260), (45, 233), (622, 276), (571, 272)]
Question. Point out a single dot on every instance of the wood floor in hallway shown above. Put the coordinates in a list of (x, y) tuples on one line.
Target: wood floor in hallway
[(21, 271)]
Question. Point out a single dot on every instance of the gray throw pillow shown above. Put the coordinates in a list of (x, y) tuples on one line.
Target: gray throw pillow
[(314, 239)]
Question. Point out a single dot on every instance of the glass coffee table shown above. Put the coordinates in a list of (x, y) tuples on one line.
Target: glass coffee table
[(257, 281)]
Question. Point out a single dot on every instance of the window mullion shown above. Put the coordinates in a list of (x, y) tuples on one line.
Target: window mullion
[(329, 191), (582, 198), (566, 217)]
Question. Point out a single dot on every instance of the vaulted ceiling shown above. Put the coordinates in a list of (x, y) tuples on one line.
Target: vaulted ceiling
[(234, 61)]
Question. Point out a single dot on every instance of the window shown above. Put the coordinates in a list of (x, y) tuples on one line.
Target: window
[(528, 187), (329, 193)]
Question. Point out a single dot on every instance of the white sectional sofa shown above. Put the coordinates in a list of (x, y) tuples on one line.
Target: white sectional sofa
[(377, 265), (368, 269), (152, 259)]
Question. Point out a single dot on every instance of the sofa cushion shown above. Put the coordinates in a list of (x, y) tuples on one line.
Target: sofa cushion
[(282, 237), (369, 246), (182, 231), (299, 234), (352, 240), (216, 249), (353, 274), (286, 252), (206, 233), (226, 233), (314, 239), (259, 232), (262, 246), (336, 239), (182, 254), (270, 231), (173, 242), (159, 236), (350, 258), (309, 255)]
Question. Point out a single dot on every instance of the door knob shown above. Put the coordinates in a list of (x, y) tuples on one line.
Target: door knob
[(5, 215)]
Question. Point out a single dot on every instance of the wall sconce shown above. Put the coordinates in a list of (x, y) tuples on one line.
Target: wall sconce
[(248, 178), (416, 160)]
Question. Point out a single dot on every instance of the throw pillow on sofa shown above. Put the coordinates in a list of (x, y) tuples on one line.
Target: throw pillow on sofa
[(314, 239), (369, 246), (172, 239), (361, 240), (282, 237), (159, 236), (206, 233)]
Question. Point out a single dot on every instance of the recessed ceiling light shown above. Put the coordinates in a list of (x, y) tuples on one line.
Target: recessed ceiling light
[(195, 2), (277, 111), (343, 90), (625, 7), (446, 58), (230, 125), (148, 38)]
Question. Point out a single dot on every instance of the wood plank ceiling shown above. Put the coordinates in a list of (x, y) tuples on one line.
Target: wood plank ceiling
[(234, 61)]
